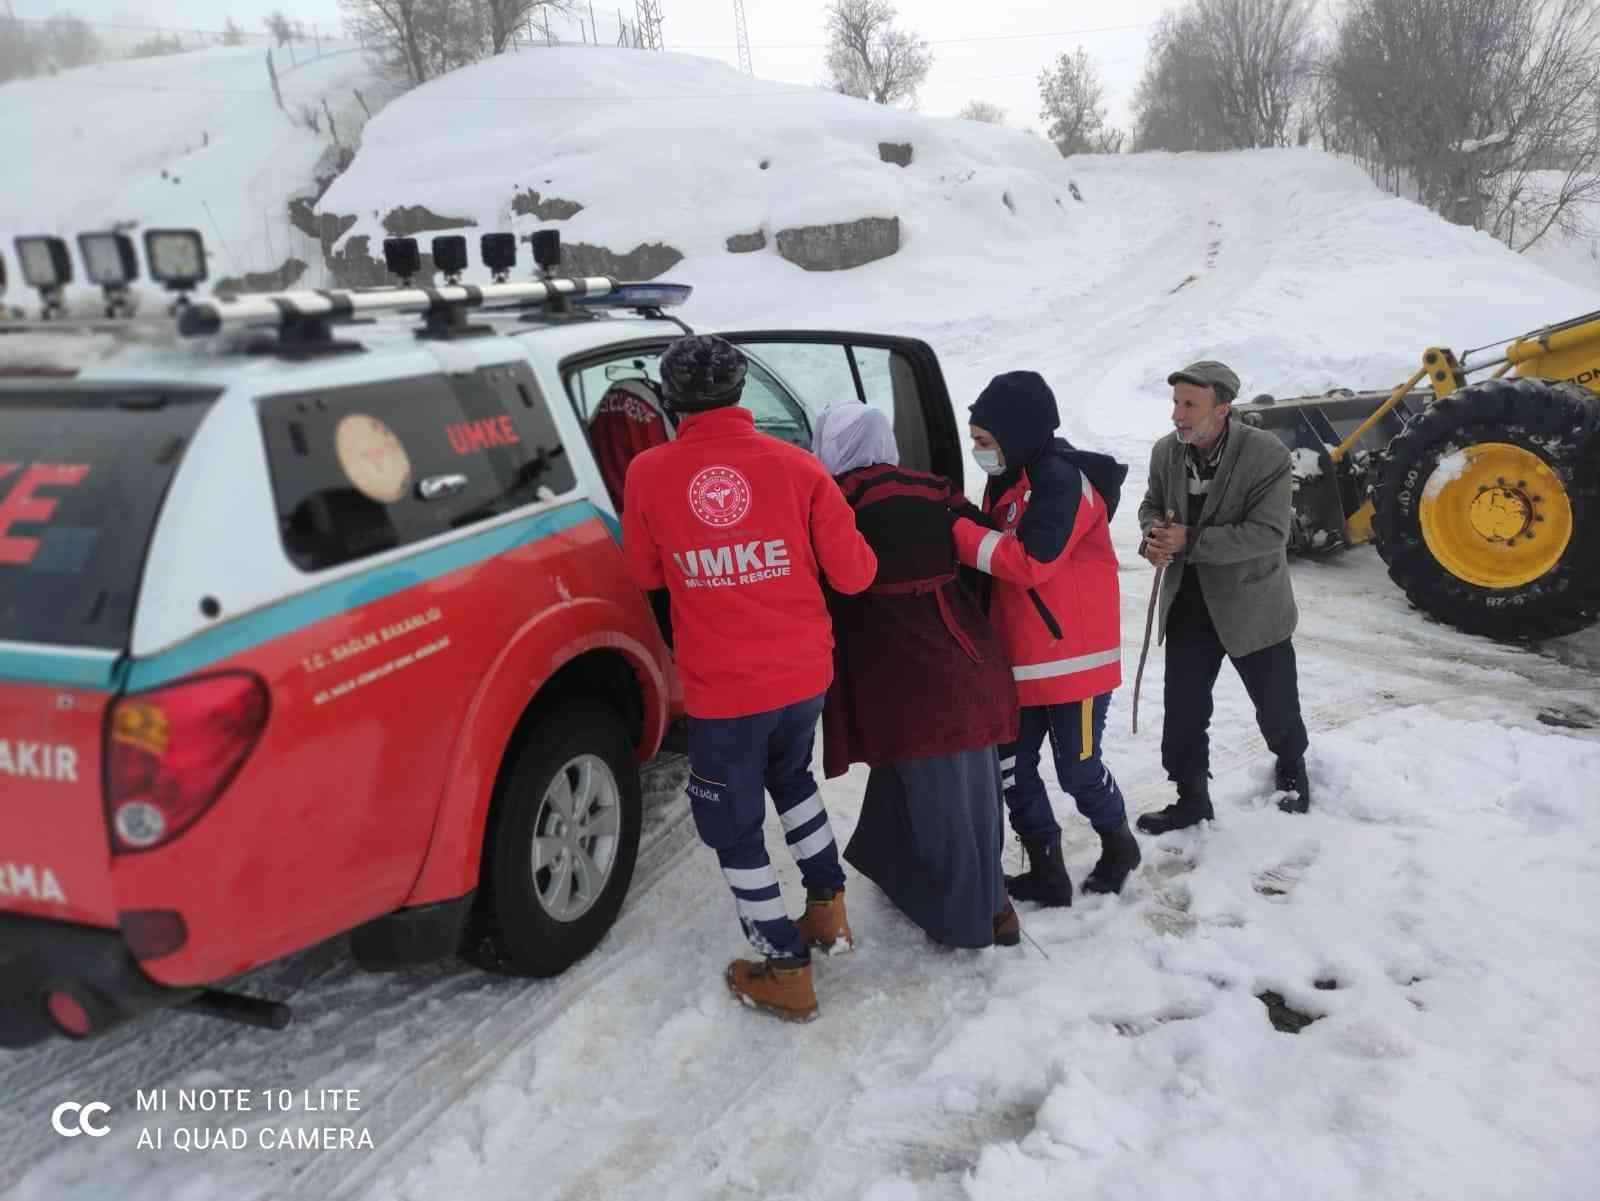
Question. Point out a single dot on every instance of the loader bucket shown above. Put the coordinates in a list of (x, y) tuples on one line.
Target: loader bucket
[(1331, 505)]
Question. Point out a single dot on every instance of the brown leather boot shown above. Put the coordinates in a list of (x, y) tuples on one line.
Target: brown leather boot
[(824, 925), (1007, 927), (780, 986)]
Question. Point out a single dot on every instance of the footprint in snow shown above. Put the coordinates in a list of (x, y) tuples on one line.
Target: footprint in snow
[(1280, 879)]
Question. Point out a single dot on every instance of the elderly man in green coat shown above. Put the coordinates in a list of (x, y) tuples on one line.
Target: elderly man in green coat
[(1216, 515)]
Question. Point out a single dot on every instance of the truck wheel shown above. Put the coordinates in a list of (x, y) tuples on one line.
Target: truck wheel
[(1487, 509), (563, 837)]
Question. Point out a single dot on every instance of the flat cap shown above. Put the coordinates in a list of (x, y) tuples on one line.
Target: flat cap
[(1208, 373)]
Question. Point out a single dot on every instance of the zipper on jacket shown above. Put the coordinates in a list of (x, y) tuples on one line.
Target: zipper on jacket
[(1045, 615)]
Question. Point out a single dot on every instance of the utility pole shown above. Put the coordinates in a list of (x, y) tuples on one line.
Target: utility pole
[(743, 32), (647, 16)]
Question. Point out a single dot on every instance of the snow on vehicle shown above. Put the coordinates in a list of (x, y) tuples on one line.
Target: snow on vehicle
[(314, 624)]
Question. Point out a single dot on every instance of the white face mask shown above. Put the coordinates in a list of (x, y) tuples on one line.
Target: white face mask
[(989, 460)]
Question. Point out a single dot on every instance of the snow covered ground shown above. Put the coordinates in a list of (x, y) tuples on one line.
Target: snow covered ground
[(193, 140), (1433, 913)]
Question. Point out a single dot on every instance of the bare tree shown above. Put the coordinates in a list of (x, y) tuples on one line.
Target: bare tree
[(280, 27), (868, 57), (20, 54), (1261, 56), (505, 17), (1172, 105), (983, 110), (1226, 74), (67, 41), (232, 35), (1073, 103), (1484, 109)]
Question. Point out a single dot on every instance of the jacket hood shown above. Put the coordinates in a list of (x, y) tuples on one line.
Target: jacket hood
[(1104, 472), (1019, 409)]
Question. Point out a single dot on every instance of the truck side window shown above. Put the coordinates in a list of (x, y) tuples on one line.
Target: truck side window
[(361, 470)]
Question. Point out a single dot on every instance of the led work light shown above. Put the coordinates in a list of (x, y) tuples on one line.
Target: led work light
[(109, 260), (450, 256), (177, 257), (546, 249), (401, 257), (499, 253), (47, 266)]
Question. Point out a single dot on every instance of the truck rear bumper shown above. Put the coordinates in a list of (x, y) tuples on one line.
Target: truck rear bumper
[(90, 965)]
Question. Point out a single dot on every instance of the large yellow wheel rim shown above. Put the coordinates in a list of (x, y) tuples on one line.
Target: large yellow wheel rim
[(1495, 515)]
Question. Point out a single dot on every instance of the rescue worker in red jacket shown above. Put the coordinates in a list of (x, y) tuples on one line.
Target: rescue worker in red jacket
[(740, 528), (1054, 598)]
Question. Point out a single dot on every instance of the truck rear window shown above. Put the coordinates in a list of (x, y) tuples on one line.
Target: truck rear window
[(82, 475)]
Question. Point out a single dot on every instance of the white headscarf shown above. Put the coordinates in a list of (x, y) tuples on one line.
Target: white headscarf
[(852, 435)]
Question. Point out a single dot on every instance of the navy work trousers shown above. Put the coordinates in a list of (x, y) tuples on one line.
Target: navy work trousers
[(1074, 729), (732, 762)]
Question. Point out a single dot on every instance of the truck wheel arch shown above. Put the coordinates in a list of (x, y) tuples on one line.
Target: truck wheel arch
[(595, 661)]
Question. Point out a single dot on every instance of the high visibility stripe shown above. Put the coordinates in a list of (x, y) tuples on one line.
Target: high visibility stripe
[(1066, 667), (750, 878), (1008, 763), (1086, 738), (807, 809), (986, 551), (770, 910), (819, 839), (1088, 489)]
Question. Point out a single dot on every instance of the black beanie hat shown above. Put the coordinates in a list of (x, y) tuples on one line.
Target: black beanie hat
[(702, 372), (1019, 410)]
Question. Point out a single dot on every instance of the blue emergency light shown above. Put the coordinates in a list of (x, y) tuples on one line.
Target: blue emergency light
[(640, 296)]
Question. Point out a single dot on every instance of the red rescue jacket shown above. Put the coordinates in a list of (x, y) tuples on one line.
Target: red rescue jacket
[(1060, 617), (740, 527)]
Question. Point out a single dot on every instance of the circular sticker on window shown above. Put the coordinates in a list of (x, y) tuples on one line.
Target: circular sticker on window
[(373, 458)]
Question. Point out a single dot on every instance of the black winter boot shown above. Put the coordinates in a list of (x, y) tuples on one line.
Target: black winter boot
[(1192, 807), (1119, 855), (1046, 879), (1291, 778)]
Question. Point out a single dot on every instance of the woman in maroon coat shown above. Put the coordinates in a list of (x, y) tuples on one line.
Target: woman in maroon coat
[(922, 693)]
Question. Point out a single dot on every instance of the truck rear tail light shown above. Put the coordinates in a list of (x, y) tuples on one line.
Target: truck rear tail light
[(171, 752)]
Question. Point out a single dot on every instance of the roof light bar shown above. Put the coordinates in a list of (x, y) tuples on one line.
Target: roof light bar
[(284, 309), (546, 245)]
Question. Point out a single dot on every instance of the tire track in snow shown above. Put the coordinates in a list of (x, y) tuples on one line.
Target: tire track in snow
[(336, 1004), (451, 1067)]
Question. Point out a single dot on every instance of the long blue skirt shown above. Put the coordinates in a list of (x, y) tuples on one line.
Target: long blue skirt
[(930, 836)]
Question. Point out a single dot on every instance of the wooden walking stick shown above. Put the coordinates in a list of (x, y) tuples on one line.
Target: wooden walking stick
[(1149, 622)]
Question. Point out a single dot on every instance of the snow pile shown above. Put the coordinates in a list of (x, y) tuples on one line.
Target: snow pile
[(190, 140), (688, 152)]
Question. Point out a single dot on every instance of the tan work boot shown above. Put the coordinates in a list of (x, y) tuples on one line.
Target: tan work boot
[(824, 925), (780, 986), (1007, 926)]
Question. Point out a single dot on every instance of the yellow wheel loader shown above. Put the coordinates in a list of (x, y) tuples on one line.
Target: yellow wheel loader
[(1483, 496)]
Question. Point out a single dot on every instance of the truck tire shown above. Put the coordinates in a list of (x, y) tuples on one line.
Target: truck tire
[(562, 839), (1487, 509)]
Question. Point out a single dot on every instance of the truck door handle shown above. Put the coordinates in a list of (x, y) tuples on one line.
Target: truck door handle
[(441, 487)]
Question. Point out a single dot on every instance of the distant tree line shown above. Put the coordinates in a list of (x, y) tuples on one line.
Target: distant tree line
[(1487, 111), (422, 39)]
